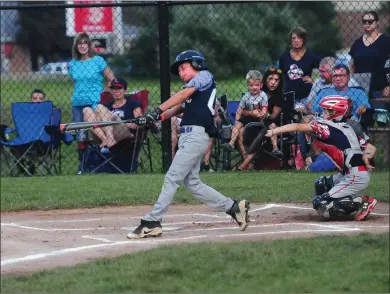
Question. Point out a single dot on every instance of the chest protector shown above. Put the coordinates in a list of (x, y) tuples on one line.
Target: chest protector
[(341, 157)]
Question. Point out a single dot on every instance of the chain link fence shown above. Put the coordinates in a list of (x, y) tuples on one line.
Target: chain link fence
[(136, 42)]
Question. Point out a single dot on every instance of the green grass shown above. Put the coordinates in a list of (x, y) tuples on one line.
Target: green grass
[(100, 190), (328, 264)]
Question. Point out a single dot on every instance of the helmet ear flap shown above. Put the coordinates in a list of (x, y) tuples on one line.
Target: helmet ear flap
[(196, 65)]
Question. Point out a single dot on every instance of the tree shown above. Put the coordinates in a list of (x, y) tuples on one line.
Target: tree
[(238, 37), (42, 32)]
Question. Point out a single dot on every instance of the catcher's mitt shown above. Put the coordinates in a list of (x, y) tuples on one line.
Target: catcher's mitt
[(253, 136)]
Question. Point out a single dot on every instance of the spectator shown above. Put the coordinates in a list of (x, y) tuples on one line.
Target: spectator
[(297, 66), (340, 80), (273, 87), (386, 91), (315, 159), (325, 80), (207, 155), (253, 108), (37, 95), (87, 71), (369, 54), (119, 109)]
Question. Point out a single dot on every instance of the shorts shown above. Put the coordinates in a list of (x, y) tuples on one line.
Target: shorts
[(78, 116), (247, 119)]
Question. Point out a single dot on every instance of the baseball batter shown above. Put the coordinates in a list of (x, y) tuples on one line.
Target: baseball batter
[(196, 102), (345, 142)]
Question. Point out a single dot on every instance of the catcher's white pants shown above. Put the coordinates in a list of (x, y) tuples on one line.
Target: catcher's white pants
[(185, 169), (349, 185)]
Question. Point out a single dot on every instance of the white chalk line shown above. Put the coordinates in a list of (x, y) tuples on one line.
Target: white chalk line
[(124, 218), (154, 241), (82, 248), (272, 205), (291, 232)]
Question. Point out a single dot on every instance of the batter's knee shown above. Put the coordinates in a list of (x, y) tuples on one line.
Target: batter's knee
[(193, 186)]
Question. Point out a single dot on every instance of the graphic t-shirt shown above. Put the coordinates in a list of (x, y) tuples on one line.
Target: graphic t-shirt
[(294, 71), (125, 111)]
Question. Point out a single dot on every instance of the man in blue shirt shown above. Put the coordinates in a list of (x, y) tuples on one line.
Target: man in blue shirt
[(340, 80)]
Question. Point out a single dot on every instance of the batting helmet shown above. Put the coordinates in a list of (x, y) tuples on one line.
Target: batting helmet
[(195, 58), (341, 107)]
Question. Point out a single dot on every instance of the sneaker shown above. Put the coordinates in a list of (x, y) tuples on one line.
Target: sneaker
[(367, 206), (146, 229), (277, 152), (239, 212)]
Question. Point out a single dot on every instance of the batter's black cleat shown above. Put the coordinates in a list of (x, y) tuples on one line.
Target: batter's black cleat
[(146, 229), (239, 212)]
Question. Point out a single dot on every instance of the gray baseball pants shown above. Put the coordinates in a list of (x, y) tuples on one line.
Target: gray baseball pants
[(350, 184), (185, 169)]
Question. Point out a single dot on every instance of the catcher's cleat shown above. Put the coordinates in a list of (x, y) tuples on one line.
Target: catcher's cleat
[(146, 229), (366, 207), (239, 212)]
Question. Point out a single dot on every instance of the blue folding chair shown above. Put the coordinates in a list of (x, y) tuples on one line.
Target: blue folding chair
[(32, 148), (223, 137)]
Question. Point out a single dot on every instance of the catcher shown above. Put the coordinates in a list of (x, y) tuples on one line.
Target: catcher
[(344, 141)]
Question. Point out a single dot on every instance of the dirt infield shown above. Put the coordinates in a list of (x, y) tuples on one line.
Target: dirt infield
[(32, 241)]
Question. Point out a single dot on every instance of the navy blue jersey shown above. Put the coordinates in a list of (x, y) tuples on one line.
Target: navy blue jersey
[(126, 111), (294, 71), (199, 108), (372, 59)]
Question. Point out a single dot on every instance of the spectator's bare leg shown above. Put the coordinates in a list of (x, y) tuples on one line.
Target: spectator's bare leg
[(274, 139), (102, 114), (120, 132), (235, 133), (247, 163), (241, 143), (90, 116), (207, 154), (174, 134)]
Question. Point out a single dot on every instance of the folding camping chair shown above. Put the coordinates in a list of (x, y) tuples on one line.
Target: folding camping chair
[(124, 157), (32, 148), (224, 135)]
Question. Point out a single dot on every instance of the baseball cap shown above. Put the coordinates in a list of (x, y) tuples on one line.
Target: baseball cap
[(119, 83)]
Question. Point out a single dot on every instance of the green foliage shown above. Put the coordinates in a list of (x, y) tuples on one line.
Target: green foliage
[(42, 31), (236, 37), (327, 264)]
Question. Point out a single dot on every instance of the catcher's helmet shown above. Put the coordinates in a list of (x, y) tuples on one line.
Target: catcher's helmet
[(340, 106), (387, 70), (195, 58)]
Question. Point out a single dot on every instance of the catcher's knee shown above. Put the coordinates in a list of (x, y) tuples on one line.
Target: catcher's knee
[(323, 185)]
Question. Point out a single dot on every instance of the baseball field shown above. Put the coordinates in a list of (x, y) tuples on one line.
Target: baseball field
[(68, 234)]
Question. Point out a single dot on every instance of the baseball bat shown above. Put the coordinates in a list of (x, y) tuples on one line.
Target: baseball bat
[(80, 126)]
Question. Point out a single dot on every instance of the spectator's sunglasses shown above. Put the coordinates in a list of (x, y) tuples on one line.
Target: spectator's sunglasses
[(368, 21), (272, 69)]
